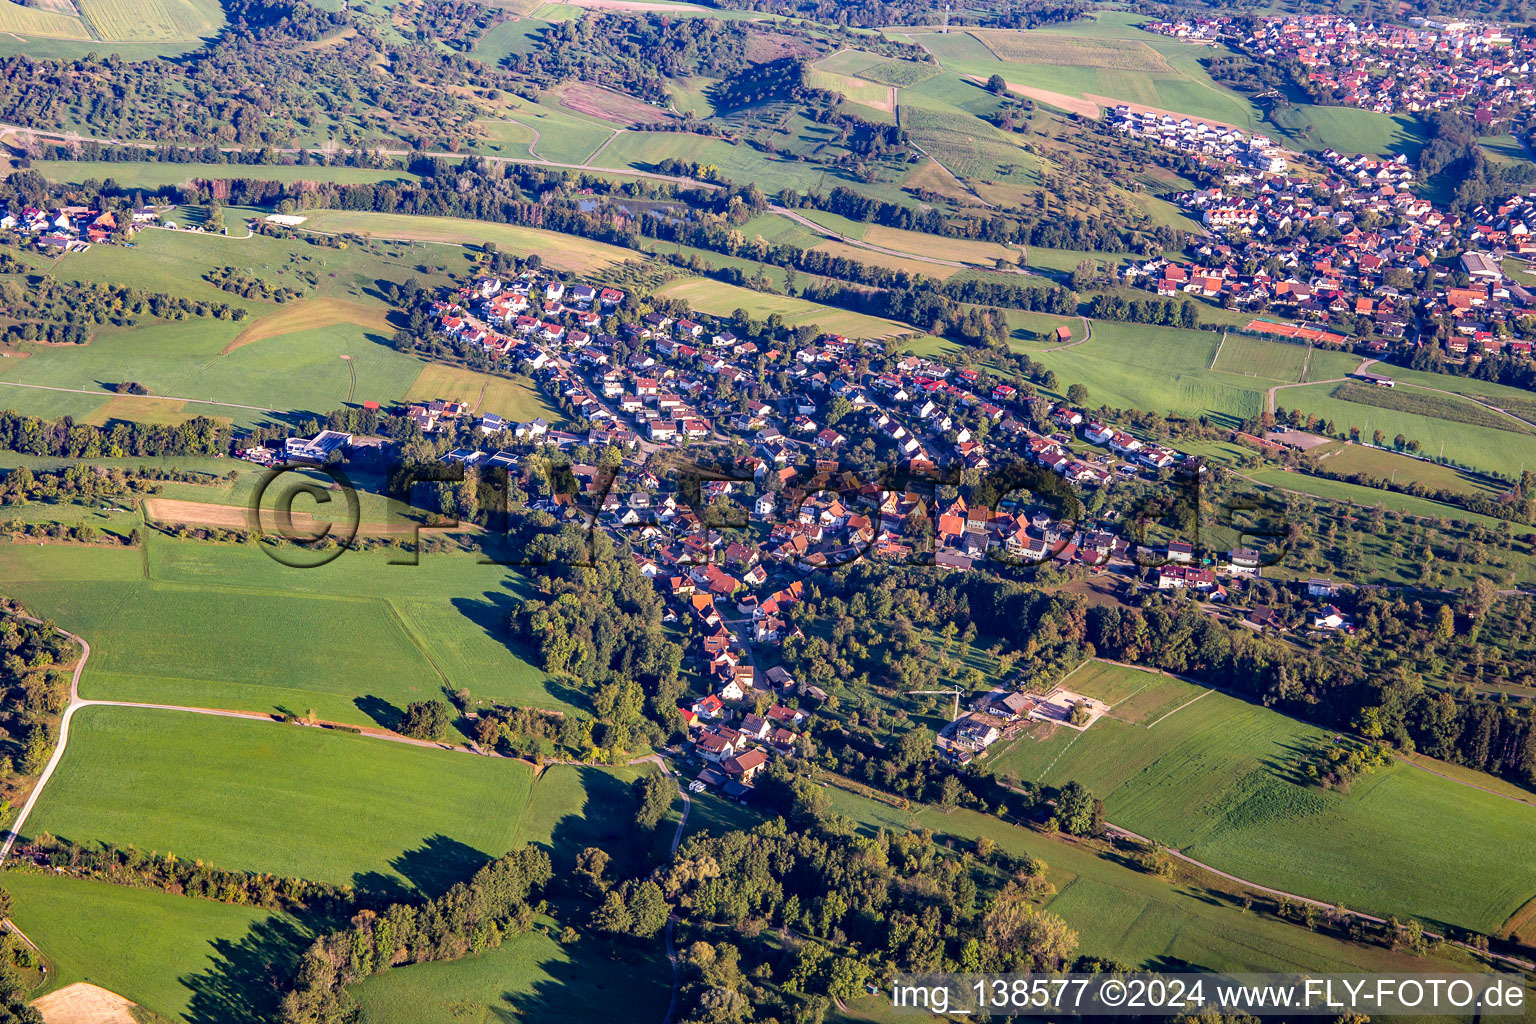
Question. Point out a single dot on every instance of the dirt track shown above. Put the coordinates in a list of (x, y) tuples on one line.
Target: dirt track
[(81, 1003)]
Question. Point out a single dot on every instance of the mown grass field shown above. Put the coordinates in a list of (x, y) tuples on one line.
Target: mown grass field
[(855, 89), (297, 370), (535, 977), (311, 314), (1112, 61), (1161, 368), (1336, 490), (417, 818), (719, 299), (1420, 402), (1212, 775), (180, 957), (356, 640), (875, 68), (643, 151), (1339, 457), (1042, 48), (1251, 357)]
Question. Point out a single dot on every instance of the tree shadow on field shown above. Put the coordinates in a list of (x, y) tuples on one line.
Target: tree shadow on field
[(375, 887), (492, 612), (605, 820), (1286, 766), (248, 976), (439, 863), (1175, 965), (589, 981), (380, 710)]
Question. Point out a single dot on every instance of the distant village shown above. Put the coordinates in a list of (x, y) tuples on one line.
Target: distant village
[(1477, 68), (1357, 250)]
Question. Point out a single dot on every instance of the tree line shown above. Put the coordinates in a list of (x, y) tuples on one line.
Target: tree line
[(64, 438), (499, 900)]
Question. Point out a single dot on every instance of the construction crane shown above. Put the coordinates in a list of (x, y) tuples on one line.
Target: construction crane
[(957, 694)]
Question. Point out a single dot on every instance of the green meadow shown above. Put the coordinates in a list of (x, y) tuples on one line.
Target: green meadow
[(1165, 369), (1214, 776), (537, 977), (413, 817), (531, 979), (311, 371), (354, 640), (179, 957), (416, 817)]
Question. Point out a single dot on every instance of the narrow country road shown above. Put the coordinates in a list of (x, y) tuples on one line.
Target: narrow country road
[(677, 840), (58, 748)]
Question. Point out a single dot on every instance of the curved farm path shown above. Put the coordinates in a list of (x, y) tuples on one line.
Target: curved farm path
[(1269, 396), (58, 748), (76, 703), (1116, 830)]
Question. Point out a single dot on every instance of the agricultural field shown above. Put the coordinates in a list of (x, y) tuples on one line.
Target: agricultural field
[(18, 19), (1409, 399), (965, 250), (1044, 48), (1349, 459), (149, 21), (394, 633), (1213, 776), (418, 818), (1315, 127), (536, 976), (115, 21), (179, 957), (560, 252), (1136, 918), (719, 299), (1111, 61), (512, 398), (150, 175), (1484, 449), (1165, 369), (855, 89), (643, 151), (557, 133), (1358, 494), (881, 70), (314, 369)]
